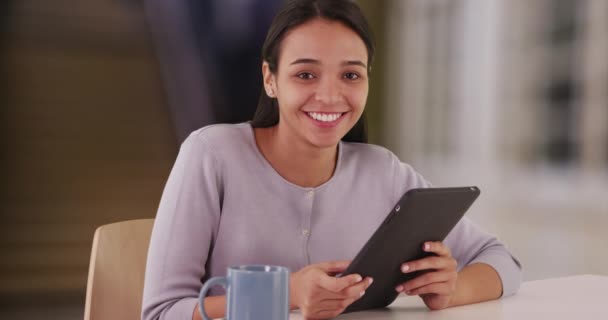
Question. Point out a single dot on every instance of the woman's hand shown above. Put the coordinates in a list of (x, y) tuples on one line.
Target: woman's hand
[(436, 287), (318, 294)]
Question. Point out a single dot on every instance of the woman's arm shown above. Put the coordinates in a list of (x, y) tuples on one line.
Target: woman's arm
[(470, 245), (313, 289), (477, 266), (441, 286), (184, 228), (487, 269), (476, 283), (214, 306)]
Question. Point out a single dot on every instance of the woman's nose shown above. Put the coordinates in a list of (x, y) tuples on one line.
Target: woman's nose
[(328, 92)]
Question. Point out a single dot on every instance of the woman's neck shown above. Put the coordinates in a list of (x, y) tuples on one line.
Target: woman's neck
[(295, 160)]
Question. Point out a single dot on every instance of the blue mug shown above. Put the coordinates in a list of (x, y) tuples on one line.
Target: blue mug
[(253, 292)]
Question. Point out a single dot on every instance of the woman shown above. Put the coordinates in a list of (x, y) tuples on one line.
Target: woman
[(299, 187)]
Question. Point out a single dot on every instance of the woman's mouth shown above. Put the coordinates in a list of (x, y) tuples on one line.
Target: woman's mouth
[(325, 119)]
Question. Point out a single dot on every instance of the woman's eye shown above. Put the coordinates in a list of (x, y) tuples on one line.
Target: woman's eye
[(305, 75), (351, 76)]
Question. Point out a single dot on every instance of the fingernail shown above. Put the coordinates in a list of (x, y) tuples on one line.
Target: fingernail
[(358, 279), (370, 280), (399, 288), (405, 268), (362, 293), (427, 247)]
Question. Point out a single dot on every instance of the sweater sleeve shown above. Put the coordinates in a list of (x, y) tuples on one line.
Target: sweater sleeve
[(468, 243), (185, 226)]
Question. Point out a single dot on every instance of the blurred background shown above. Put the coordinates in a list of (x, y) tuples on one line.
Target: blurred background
[(97, 95)]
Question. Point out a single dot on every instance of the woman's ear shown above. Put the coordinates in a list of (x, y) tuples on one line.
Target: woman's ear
[(269, 80)]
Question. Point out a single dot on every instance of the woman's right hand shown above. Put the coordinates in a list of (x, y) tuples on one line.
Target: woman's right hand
[(318, 294)]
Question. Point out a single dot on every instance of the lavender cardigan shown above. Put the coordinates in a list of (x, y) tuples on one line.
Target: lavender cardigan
[(225, 205)]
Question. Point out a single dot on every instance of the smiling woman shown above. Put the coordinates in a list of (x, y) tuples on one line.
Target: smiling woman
[(320, 82), (320, 85), (299, 187), (349, 20)]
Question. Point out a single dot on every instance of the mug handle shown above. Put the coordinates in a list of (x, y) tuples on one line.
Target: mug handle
[(222, 281)]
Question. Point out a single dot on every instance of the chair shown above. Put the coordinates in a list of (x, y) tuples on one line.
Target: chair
[(116, 270)]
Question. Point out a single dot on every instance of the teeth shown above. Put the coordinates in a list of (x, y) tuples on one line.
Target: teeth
[(325, 117)]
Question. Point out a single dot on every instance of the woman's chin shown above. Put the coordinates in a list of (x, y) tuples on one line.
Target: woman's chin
[(325, 140)]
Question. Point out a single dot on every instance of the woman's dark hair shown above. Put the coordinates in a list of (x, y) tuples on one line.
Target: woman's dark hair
[(298, 12)]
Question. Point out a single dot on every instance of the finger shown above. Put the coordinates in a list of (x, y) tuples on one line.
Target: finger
[(329, 295), (332, 308), (437, 247), (354, 291), (324, 312), (335, 304), (324, 294), (336, 285), (434, 262), (333, 266), (426, 279), (357, 290), (441, 288)]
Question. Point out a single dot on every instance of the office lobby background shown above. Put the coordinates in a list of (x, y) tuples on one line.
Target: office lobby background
[(96, 95)]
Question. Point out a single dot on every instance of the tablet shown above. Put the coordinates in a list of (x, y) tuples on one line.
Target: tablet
[(421, 215)]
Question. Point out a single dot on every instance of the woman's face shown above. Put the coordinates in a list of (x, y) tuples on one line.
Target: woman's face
[(321, 83)]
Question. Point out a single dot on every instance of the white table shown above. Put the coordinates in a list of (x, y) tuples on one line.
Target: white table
[(571, 298)]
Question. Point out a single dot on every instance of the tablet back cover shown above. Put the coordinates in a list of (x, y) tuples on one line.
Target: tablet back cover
[(421, 215)]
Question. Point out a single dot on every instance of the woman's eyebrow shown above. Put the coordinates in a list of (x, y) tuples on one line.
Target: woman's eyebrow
[(305, 60), (354, 63), (314, 61)]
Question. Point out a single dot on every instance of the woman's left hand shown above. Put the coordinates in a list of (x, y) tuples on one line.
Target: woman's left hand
[(437, 286)]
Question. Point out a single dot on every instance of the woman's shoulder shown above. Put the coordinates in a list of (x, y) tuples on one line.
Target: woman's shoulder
[(221, 140), (220, 135), (382, 161), (368, 153)]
